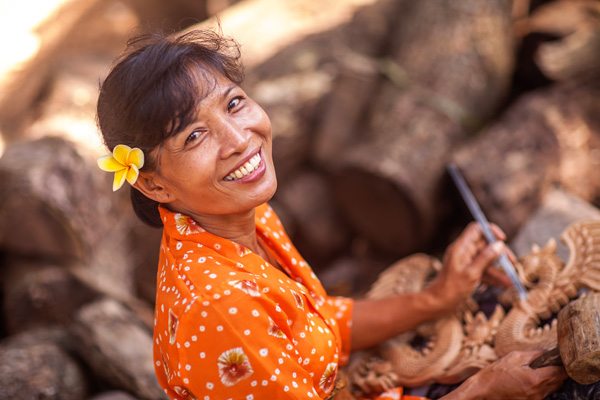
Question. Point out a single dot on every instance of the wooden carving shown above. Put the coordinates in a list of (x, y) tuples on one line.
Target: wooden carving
[(453, 348)]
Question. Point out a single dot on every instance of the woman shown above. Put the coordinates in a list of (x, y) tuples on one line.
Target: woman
[(239, 313)]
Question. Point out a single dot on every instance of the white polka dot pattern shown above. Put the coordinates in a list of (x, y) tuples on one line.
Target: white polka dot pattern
[(231, 325)]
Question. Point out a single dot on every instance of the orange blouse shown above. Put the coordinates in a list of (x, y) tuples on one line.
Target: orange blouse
[(229, 325)]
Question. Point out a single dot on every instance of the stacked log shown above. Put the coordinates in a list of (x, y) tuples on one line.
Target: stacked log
[(576, 25), (35, 365), (28, 63), (416, 120), (368, 100), (37, 294), (118, 347), (53, 205), (547, 137), (319, 226)]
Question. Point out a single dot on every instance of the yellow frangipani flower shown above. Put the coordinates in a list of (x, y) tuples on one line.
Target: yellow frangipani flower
[(125, 162)]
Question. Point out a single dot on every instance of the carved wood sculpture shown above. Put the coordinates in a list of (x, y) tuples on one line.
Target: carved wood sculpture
[(453, 348)]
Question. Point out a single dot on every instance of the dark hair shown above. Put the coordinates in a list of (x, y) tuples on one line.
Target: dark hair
[(151, 93)]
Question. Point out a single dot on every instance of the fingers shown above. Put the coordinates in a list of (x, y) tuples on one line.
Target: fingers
[(496, 277), (498, 232), (471, 234), (488, 256)]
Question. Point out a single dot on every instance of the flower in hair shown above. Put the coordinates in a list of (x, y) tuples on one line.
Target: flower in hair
[(125, 162)]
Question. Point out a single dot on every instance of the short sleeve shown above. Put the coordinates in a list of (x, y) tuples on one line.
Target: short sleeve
[(342, 307), (237, 349)]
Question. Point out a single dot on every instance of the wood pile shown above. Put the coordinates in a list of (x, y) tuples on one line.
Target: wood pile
[(369, 99)]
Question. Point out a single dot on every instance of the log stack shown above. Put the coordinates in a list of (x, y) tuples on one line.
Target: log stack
[(368, 100), (432, 100)]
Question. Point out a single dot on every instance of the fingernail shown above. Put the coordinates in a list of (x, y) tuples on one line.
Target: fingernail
[(498, 247)]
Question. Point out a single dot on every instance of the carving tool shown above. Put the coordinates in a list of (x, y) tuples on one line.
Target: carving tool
[(473, 206)]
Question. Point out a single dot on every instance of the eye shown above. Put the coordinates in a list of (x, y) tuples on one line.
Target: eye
[(193, 136), (235, 102)]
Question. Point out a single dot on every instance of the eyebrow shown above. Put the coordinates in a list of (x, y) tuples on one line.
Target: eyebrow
[(226, 92)]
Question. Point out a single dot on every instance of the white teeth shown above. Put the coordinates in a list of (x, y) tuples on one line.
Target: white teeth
[(245, 169)]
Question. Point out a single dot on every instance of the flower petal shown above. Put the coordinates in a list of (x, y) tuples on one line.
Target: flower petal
[(136, 157), (132, 174), (109, 164), (119, 179), (121, 152)]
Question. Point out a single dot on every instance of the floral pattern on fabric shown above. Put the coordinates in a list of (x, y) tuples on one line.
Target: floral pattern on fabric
[(173, 322), (274, 330), (231, 325), (247, 286), (327, 381), (186, 225), (234, 366)]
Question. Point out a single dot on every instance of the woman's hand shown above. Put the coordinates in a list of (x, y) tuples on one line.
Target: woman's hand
[(511, 378), (466, 263)]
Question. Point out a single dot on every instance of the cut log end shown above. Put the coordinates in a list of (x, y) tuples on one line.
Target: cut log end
[(380, 210)]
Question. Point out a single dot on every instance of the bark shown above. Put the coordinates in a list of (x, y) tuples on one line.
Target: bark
[(320, 231), (117, 347), (38, 368), (292, 60), (69, 109), (37, 294), (281, 24), (576, 28), (26, 68), (169, 16), (56, 204), (388, 183), (575, 56), (145, 241), (113, 395), (359, 58), (549, 136)]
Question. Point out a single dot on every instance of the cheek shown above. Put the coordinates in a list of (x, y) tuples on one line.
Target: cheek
[(191, 170), (259, 119)]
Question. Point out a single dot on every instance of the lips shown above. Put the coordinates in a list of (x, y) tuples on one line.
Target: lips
[(245, 169)]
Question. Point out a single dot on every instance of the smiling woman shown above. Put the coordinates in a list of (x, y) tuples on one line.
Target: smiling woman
[(239, 313)]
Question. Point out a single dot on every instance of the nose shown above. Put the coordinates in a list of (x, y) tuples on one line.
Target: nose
[(234, 138)]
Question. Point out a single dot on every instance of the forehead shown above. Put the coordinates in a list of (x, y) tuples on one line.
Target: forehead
[(208, 83)]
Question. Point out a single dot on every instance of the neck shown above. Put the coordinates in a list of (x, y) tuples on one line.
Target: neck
[(240, 227)]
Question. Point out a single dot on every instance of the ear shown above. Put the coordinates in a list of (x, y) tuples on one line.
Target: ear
[(150, 185)]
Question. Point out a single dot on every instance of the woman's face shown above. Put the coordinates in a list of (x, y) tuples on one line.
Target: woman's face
[(222, 163)]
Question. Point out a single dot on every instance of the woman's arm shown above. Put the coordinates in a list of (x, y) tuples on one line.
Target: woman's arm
[(465, 261)]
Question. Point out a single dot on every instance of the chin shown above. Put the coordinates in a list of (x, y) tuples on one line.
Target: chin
[(269, 191)]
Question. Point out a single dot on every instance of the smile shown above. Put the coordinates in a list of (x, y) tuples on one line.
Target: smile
[(251, 165)]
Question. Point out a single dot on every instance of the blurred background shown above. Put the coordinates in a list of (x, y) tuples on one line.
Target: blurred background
[(369, 100)]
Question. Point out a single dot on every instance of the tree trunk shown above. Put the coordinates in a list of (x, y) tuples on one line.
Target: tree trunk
[(38, 294), (34, 368), (320, 232), (387, 185), (366, 41), (547, 136), (169, 16), (55, 203), (125, 363), (26, 66), (575, 52)]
